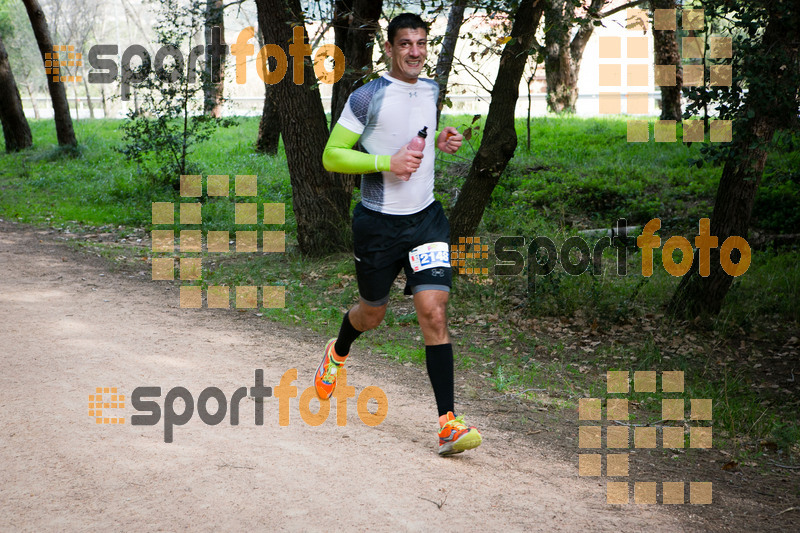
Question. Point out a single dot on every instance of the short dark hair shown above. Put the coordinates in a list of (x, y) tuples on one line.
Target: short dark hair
[(406, 20)]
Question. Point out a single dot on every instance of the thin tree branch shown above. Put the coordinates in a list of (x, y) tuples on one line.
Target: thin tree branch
[(620, 8), (585, 31), (236, 3), (538, 47), (321, 34), (472, 72)]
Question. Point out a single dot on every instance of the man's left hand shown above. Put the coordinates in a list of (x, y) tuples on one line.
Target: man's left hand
[(449, 140)]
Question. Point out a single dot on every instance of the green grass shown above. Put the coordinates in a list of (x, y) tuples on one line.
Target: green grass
[(578, 174), (98, 187), (583, 173)]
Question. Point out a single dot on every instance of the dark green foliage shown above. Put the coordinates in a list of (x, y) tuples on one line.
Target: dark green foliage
[(777, 204), (754, 69)]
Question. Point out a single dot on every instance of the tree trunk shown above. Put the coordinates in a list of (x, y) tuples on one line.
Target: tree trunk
[(445, 61), (563, 53), (214, 82), (380, 42), (562, 90), (342, 15), (665, 48), (362, 21), (16, 131), (529, 83), (76, 102), (88, 97), (136, 109), (321, 204), (742, 172), (106, 110), (500, 136), (269, 128), (355, 24), (697, 295), (33, 101), (58, 94)]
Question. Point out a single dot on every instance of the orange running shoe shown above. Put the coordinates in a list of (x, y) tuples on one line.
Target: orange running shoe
[(325, 378), (455, 436)]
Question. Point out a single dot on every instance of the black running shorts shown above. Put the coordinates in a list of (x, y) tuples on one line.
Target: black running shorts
[(382, 243)]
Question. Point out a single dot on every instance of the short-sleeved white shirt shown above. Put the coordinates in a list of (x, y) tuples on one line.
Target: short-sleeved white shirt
[(388, 113)]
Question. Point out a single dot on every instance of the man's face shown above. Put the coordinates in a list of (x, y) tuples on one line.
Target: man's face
[(408, 53)]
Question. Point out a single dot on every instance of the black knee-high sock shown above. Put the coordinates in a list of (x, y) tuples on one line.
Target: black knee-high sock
[(439, 360), (347, 334)]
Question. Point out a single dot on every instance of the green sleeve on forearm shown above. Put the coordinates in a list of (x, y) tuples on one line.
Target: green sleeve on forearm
[(339, 155)]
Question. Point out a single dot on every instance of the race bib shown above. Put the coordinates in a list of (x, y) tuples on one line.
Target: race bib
[(430, 255)]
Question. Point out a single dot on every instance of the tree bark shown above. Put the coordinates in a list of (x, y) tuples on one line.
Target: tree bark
[(563, 53), (342, 10), (665, 48), (76, 102), (361, 17), (58, 94), (445, 62), (741, 175), (269, 128), (500, 137), (33, 101), (88, 97), (106, 110), (214, 83), (562, 90), (342, 15), (355, 24), (321, 204), (16, 131)]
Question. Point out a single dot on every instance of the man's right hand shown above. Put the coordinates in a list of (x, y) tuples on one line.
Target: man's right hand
[(405, 162)]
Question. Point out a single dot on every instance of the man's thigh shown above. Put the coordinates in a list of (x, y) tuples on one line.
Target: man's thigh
[(432, 239), (375, 283), (378, 255)]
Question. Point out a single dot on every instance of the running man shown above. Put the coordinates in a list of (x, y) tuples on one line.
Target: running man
[(398, 224)]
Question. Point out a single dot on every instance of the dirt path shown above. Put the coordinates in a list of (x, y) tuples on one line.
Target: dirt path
[(67, 326)]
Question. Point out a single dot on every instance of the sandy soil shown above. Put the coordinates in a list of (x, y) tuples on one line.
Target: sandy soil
[(68, 326)]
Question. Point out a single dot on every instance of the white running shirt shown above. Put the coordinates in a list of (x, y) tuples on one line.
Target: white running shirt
[(388, 113)]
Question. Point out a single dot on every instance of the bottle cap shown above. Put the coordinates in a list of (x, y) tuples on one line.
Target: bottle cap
[(423, 132)]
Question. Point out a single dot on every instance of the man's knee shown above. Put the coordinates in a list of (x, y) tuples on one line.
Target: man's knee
[(374, 317), (369, 317), (434, 316)]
